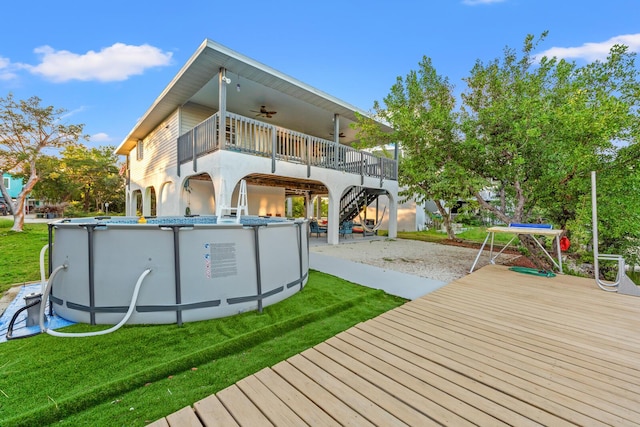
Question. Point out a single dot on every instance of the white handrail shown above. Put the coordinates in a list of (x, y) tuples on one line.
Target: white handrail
[(606, 286)]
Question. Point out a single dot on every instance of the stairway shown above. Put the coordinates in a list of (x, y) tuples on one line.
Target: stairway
[(356, 199)]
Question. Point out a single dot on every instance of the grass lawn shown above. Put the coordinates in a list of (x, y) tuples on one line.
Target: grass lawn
[(20, 253), (141, 373), (471, 234)]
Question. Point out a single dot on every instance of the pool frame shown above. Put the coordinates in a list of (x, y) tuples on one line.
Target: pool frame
[(199, 270)]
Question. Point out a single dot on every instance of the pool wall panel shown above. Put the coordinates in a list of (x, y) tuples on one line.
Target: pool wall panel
[(218, 272)]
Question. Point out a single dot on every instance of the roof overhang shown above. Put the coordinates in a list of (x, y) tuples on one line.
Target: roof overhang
[(300, 106)]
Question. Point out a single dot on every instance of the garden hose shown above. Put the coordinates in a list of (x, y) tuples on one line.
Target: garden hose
[(533, 271)]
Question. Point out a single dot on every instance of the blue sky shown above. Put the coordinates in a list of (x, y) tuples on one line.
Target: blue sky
[(107, 61)]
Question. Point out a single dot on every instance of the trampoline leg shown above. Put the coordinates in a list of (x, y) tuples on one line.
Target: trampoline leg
[(479, 253)]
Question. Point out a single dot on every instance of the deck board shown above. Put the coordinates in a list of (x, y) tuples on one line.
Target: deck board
[(360, 395), (493, 348), (212, 413)]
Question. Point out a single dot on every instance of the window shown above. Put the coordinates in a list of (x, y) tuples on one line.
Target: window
[(139, 150), (7, 182)]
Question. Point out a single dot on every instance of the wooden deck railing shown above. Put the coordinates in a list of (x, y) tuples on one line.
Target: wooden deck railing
[(257, 138)]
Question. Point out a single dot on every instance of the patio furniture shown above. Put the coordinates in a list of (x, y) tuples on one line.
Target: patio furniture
[(346, 228), (315, 228)]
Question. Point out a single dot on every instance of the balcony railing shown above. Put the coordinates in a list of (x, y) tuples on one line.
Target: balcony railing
[(257, 138)]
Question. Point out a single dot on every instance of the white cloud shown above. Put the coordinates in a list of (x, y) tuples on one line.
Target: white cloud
[(6, 69), (593, 51), (100, 137), (477, 2), (114, 63)]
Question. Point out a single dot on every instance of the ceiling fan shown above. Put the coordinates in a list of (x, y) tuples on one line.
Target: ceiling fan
[(341, 134), (264, 112)]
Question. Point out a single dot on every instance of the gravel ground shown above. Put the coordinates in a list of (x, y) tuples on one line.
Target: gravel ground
[(425, 259)]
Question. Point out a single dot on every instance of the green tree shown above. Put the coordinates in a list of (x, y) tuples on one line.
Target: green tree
[(54, 186), (420, 109), (94, 172), (26, 129), (81, 174), (534, 129)]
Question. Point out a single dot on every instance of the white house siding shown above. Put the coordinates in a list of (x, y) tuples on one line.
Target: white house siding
[(158, 169), (158, 164), (192, 115)]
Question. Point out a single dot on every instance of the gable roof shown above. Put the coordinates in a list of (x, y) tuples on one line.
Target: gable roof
[(301, 107)]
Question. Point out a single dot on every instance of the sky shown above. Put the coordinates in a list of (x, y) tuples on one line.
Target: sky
[(105, 62)]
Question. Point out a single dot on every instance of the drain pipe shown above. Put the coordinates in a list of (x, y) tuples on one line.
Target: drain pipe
[(43, 281), (132, 306)]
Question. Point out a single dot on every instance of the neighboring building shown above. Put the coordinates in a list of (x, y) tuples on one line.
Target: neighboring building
[(12, 184), (226, 118)]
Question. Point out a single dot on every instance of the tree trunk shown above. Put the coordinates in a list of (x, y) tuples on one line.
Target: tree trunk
[(18, 208), (536, 255), (489, 208), (86, 199), (445, 220), (18, 220)]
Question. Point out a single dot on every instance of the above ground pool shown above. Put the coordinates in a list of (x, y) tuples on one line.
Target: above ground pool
[(186, 268)]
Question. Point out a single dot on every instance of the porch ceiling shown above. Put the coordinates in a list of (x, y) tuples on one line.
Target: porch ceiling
[(299, 106), (292, 186)]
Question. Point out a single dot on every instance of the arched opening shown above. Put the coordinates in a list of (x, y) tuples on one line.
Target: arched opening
[(198, 195), (149, 206), (136, 203), (366, 209), (283, 196)]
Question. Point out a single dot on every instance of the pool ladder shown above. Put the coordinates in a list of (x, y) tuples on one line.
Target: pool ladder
[(224, 211)]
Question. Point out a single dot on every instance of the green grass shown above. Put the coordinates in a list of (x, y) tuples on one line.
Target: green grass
[(98, 380), (20, 253), (472, 234)]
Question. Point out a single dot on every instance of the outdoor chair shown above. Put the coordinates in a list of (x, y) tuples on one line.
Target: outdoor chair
[(315, 228), (346, 228)]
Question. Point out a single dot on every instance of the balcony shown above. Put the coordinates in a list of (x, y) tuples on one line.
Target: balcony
[(253, 137)]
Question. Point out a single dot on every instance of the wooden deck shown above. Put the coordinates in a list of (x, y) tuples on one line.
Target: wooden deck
[(493, 348)]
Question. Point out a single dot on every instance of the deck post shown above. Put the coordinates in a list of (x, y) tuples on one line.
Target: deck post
[(222, 102)]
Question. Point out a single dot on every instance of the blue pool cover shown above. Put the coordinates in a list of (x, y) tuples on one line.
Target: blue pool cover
[(20, 328)]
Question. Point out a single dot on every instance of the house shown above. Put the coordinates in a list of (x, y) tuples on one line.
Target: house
[(226, 118), (12, 184)]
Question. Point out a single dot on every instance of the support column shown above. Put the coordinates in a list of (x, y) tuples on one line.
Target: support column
[(222, 103), (336, 139), (333, 218), (146, 202), (308, 206), (393, 217), (289, 207)]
